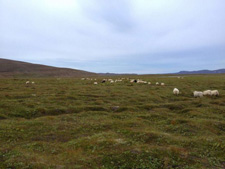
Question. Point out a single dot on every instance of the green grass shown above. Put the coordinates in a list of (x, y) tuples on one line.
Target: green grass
[(70, 123)]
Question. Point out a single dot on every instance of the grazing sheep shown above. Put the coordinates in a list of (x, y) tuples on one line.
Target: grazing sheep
[(157, 83), (95, 83), (162, 84), (149, 83), (176, 91), (27, 82), (207, 93), (82, 78), (33, 82), (214, 93), (141, 81), (198, 94)]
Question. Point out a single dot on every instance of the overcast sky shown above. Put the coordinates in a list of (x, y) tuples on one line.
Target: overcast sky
[(120, 36)]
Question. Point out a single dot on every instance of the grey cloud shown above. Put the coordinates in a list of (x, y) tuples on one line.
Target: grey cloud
[(116, 14), (115, 36)]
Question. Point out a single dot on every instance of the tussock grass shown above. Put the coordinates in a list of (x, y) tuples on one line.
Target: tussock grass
[(69, 123)]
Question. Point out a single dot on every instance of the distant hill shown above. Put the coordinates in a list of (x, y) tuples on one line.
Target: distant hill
[(116, 74), (11, 68), (203, 72)]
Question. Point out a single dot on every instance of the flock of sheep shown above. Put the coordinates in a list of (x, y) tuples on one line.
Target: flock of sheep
[(121, 79), (175, 90), (199, 93), (28, 82), (145, 82)]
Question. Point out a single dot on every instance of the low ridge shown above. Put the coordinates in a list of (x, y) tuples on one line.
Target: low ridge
[(12, 68), (203, 72)]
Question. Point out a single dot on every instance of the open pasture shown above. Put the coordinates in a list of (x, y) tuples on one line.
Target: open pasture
[(72, 123)]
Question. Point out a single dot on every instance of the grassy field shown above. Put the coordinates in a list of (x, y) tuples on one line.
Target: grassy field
[(70, 123)]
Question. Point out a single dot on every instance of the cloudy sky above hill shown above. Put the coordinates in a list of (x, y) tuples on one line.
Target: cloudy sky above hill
[(120, 36)]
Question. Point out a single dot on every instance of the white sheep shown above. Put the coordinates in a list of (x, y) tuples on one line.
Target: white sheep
[(198, 94), (95, 83), (162, 84), (207, 93), (157, 83), (27, 82), (33, 82), (149, 83), (176, 91), (214, 93), (141, 81)]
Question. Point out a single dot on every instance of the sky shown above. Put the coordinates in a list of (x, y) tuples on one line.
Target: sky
[(119, 36)]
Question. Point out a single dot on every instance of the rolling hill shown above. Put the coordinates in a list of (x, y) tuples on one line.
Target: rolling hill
[(202, 72), (11, 68)]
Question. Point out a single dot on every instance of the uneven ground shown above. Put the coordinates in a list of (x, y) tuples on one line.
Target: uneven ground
[(69, 123)]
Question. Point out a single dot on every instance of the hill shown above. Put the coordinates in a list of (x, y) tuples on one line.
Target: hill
[(117, 74), (203, 72), (11, 68)]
